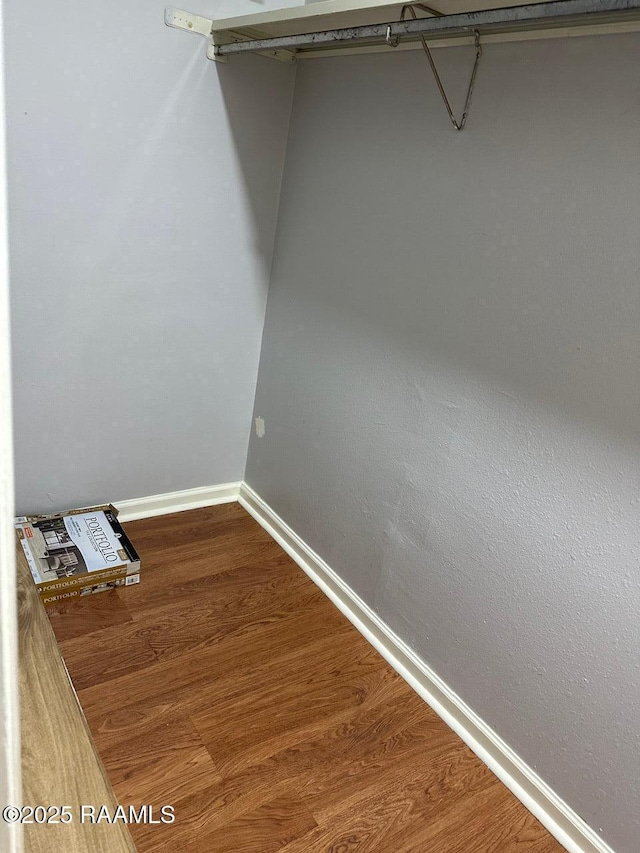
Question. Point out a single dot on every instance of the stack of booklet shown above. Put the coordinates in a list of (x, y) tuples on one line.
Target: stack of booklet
[(77, 553)]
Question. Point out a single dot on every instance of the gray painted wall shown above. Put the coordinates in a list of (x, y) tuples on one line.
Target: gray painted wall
[(10, 790), (143, 199), (450, 384)]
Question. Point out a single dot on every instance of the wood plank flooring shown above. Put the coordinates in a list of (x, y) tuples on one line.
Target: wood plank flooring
[(228, 686), (59, 761)]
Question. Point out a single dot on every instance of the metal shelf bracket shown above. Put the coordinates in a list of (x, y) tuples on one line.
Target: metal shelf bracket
[(182, 20), (186, 21)]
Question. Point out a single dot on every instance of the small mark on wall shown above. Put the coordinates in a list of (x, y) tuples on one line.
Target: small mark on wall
[(260, 427)]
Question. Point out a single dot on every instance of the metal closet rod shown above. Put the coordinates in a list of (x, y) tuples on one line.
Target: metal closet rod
[(509, 19)]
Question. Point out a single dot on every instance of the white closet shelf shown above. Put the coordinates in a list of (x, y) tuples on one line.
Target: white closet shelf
[(351, 26), (339, 26)]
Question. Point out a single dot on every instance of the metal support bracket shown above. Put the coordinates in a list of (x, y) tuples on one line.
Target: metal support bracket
[(459, 125), (186, 21), (182, 20)]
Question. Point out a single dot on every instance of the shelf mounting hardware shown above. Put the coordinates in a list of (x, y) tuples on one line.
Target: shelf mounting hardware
[(392, 41), (186, 21), (182, 20)]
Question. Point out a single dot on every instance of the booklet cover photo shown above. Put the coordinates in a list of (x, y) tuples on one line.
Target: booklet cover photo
[(77, 553)]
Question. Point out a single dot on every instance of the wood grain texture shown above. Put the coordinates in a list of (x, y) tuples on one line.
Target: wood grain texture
[(250, 704), (60, 765), (82, 616)]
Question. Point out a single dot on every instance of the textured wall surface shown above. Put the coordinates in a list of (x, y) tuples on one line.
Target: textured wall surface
[(144, 185), (9, 688), (450, 384)]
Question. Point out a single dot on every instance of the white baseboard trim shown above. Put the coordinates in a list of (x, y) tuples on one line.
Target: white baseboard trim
[(135, 508), (561, 821)]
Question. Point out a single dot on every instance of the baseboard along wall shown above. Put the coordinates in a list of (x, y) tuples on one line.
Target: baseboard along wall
[(561, 821), (135, 508)]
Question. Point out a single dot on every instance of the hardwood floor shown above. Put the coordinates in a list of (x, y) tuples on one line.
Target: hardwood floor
[(59, 761), (228, 686)]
